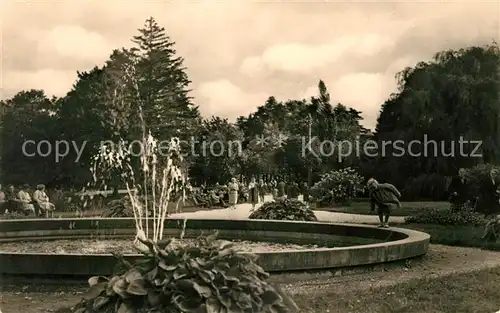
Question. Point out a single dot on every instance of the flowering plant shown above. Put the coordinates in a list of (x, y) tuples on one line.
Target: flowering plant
[(151, 188), (337, 187)]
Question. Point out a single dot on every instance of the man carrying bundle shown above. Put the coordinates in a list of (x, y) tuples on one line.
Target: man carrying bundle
[(382, 196)]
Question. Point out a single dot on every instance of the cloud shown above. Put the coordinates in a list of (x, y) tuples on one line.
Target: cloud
[(359, 91), (54, 82), (223, 98), (238, 52), (75, 42), (302, 58)]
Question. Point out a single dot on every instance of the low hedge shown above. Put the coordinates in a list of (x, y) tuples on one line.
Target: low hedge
[(284, 209), (452, 235), (446, 217)]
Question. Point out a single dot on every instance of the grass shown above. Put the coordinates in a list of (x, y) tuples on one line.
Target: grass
[(407, 208), (462, 236), (464, 293)]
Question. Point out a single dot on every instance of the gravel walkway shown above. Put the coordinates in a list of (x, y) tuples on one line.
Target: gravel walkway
[(242, 211)]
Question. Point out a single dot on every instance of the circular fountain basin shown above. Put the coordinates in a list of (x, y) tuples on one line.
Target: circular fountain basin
[(324, 245)]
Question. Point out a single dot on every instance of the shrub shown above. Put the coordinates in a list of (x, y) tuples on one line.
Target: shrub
[(337, 187), (427, 186), (119, 208), (74, 202), (475, 175), (446, 217), (205, 276), (284, 209), (15, 216)]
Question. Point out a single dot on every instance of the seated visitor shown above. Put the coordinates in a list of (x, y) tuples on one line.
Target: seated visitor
[(2, 201), (42, 200), (25, 200), (491, 231), (12, 203), (215, 198)]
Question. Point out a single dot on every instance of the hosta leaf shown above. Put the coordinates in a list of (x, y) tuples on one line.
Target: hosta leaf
[(213, 305), (163, 265), (270, 297), (154, 298), (194, 264), (201, 262), (126, 308), (180, 273), (164, 242), (206, 276), (185, 304), (287, 300), (163, 253), (120, 288), (137, 288), (94, 291), (185, 285), (225, 300), (211, 238), (203, 291), (99, 302), (151, 275), (94, 280), (132, 275), (234, 308), (226, 245)]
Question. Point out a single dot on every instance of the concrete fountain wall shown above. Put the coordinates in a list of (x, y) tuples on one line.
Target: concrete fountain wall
[(391, 244)]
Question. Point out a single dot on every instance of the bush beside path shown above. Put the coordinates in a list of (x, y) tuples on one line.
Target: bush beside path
[(243, 211)]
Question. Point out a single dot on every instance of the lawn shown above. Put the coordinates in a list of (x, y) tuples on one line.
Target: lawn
[(464, 293), (407, 208), (462, 236)]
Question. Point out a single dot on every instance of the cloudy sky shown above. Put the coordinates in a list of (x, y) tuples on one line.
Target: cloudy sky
[(240, 52)]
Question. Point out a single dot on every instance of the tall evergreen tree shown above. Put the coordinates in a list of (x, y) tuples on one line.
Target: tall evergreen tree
[(163, 83)]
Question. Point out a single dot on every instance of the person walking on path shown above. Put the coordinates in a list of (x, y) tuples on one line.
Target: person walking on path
[(253, 193), (293, 191), (281, 189), (262, 187), (233, 193), (382, 196), (304, 190)]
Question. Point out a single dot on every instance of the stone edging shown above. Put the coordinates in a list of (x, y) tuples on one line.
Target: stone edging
[(398, 243)]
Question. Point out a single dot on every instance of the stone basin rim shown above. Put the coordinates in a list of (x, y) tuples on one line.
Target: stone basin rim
[(413, 244)]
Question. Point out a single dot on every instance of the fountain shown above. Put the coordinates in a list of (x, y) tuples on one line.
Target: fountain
[(289, 245), (279, 245)]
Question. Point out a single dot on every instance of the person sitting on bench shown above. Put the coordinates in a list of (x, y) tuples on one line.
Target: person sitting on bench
[(25, 200), (41, 200)]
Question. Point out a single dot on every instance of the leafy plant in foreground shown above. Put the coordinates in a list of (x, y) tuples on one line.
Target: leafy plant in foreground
[(205, 276), (284, 209)]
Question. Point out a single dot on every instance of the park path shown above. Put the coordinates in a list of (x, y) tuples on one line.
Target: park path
[(242, 211)]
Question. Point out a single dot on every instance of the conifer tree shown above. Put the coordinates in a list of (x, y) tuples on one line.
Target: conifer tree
[(163, 84)]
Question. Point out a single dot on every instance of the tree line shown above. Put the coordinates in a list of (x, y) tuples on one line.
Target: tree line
[(146, 89)]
